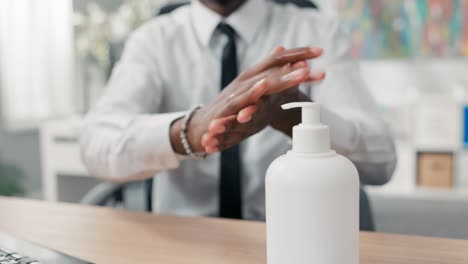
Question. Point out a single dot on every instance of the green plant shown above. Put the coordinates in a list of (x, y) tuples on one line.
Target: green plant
[(11, 179), (96, 27)]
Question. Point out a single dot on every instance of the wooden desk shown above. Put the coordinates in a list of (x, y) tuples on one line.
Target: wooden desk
[(106, 235)]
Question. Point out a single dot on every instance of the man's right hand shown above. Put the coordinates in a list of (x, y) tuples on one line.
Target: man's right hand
[(265, 78)]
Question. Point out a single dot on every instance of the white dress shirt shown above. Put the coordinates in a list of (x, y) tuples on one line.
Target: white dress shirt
[(173, 63)]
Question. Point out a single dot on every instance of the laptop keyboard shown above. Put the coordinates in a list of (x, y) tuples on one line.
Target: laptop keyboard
[(8, 257)]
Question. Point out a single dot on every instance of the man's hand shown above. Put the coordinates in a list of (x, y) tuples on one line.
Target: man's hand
[(224, 132), (281, 71), (229, 131)]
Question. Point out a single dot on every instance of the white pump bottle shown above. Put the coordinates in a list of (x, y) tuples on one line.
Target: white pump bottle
[(312, 199)]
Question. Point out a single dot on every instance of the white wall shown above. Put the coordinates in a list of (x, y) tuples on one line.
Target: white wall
[(401, 87)]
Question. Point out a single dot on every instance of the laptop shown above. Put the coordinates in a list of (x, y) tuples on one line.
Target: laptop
[(16, 251)]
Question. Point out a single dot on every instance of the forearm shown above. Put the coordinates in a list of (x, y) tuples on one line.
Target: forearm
[(125, 148), (366, 142), (374, 154)]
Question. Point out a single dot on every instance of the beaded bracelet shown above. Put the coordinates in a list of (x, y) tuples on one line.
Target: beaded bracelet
[(184, 138)]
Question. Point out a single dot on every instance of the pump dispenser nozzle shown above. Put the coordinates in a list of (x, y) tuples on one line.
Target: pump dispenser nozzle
[(310, 136), (310, 111)]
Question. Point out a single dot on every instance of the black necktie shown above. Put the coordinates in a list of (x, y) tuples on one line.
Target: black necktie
[(230, 199)]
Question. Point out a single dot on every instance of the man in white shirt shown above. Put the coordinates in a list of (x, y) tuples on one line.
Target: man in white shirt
[(177, 61)]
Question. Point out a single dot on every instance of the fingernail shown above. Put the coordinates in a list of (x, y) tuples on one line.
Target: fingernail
[(259, 88), (221, 129), (316, 50), (301, 64), (293, 75), (275, 49), (259, 84), (316, 74)]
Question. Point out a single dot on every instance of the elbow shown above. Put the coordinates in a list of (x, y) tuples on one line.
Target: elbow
[(390, 167), (378, 169), (385, 173), (104, 162), (103, 170), (389, 162), (98, 159), (376, 173)]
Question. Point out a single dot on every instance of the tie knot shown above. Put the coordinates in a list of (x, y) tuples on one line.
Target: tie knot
[(227, 30)]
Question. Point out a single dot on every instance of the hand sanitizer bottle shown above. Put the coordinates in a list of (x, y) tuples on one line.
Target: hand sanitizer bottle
[(312, 199)]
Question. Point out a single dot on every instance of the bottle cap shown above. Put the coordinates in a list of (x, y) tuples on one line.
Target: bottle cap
[(310, 136)]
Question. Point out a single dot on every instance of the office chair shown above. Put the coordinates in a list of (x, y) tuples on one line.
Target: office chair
[(108, 193)]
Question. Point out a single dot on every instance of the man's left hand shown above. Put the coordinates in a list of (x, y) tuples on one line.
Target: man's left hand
[(254, 118)]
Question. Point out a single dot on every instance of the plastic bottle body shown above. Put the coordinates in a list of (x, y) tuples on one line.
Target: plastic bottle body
[(312, 210)]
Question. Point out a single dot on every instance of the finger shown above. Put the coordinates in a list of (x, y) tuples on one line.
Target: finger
[(231, 139), (260, 88), (294, 66), (246, 114), (209, 140), (280, 82), (277, 81), (252, 94), (283, 70), (277, 50), (281, 58), (211, 150), (299, 64), (287, 56), (216, 127), (259, 77), (221, 125), (252, 90), (263, 75), (316, 75)]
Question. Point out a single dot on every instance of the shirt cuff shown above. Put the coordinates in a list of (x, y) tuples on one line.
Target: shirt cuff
[(154, 142), (343, 133)]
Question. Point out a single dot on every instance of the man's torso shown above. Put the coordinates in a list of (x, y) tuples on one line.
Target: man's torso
[(190, 74)]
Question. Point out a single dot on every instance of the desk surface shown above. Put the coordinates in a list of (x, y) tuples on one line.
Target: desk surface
[(104, 235)]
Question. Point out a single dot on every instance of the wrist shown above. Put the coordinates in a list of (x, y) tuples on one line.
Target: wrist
[(174, 134), (194, 133)]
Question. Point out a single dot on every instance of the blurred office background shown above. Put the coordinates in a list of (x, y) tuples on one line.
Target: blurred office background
[(56, 55)]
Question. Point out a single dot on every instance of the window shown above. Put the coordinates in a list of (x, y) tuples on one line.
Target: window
[(36, 61)]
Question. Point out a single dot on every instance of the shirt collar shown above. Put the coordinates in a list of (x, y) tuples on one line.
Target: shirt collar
[(246, 20)]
